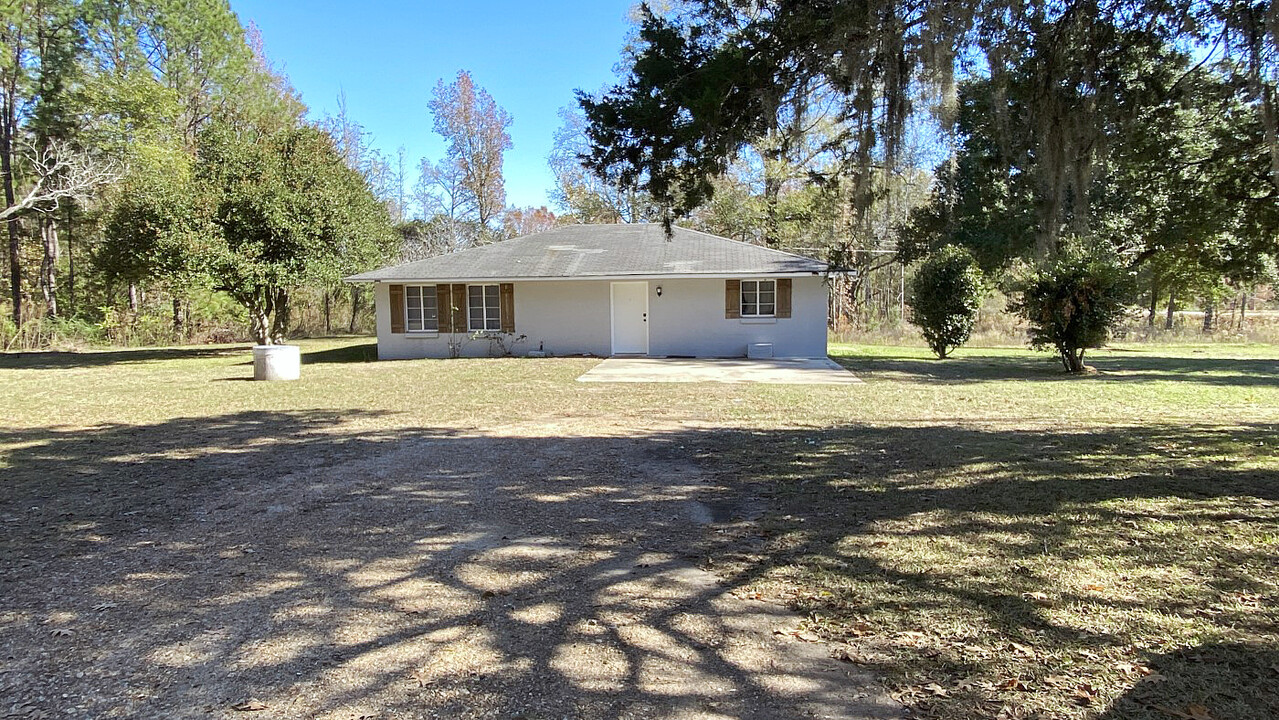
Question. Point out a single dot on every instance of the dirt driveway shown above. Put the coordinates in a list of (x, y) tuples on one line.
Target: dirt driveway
[(282, 568)]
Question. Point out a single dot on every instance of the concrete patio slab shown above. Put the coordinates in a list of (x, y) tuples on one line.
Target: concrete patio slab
[(805, 371)]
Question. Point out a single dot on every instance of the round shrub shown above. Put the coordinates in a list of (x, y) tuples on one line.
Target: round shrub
[(945, 295), (1072, 302)]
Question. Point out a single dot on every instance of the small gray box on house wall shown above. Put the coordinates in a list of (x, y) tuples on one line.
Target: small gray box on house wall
[(757, 351)]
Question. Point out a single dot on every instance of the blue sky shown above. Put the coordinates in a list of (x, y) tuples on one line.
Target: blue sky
[(387, 57)]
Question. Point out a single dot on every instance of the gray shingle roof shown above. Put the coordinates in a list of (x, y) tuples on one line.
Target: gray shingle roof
[(583, 251)]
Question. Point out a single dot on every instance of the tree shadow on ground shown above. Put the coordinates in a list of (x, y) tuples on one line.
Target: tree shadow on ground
[(1029, 571), (49, 360), (362, 353), (969, 368), (1235, 680), (329, 569), (187, 567)]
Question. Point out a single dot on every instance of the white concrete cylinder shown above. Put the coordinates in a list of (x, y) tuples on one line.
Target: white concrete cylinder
[(277, 362)]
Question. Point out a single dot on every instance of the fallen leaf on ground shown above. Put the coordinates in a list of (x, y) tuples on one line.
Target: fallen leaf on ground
[(845, 655), (1020, 649), (911, 635), (1038, 598), (859, 629), (798, 633), (249, 706), (1085, 693), (1014, 684)]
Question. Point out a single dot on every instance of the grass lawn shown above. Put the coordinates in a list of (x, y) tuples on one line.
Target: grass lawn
[(995, 538)]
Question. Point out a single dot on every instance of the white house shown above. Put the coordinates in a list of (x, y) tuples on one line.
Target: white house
[(603, 290)]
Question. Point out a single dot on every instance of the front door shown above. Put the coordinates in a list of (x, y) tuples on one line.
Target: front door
[(630, 318)]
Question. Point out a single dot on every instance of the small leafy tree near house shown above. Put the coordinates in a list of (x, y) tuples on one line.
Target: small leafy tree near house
[(1072, 302), (945, 295), (287, 212)]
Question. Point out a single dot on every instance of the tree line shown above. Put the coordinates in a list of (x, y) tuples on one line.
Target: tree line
[(879, 133), (155, 145), (159, 170)]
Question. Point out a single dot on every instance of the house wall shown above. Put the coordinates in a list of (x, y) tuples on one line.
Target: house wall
[(688, 319), (564, 318), (575, 317)]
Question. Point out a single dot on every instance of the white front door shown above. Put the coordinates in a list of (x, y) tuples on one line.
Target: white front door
[(630, 318)]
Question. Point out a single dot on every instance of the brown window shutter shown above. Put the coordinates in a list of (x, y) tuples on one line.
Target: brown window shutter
[(732, 298), (443, 316), (506, 293), (783, 298), (397, 308), (459, 308)]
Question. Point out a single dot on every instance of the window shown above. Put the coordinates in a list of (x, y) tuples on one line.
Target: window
[(759, 298), (483, 307), (420, 312)]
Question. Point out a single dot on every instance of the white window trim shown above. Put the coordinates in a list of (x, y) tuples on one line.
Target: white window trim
[(742, 299), (424, 330), (469, 326)]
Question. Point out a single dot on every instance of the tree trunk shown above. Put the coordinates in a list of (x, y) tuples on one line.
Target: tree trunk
[(70, 264), (260, 326), (1072, 359), (268, 314), (133, 299), (15, 269), (177, 317), (49, 264), (1154, 302), (357, 294), (1210, 316), (772, 191), (1269, 116), (328, 310), (1243, 308), (280, 322), (1172, 309), (7, 125)]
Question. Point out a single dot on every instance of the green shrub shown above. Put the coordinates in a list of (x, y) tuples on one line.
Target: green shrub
[(945, 295), (1072, 302)]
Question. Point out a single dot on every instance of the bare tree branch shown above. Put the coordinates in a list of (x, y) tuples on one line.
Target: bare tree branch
[(61, 172)]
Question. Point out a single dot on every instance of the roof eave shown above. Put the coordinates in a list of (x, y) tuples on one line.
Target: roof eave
[(571, 278)]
